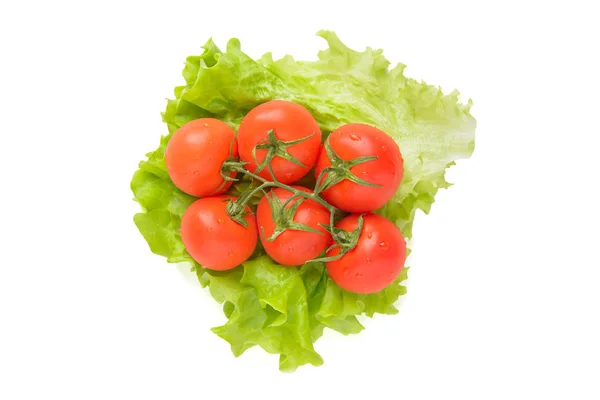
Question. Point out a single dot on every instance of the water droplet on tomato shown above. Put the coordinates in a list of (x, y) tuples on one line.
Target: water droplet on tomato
[(383, 148), (291, 249), (384, 245), (288, 175), (368, 260), (370, 235), (220, 220), (358, 275), (230, 253), (354, 137), (206, 125), (364, 172)]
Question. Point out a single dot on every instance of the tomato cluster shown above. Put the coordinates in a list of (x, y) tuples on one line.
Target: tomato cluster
[(358, 168)]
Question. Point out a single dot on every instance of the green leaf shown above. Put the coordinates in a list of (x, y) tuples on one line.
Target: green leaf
[(282, 309), (164, 206), (432, 129), (267, 305)]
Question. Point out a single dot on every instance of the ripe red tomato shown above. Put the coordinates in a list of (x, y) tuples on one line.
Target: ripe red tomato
[(356, 140), (290, 122), (212, 238), (376, 260), (293, 247), (195, 154)]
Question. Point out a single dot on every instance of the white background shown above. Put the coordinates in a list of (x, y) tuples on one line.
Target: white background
[(504, 294)]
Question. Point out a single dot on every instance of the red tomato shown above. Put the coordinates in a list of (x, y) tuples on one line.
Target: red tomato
[(376, 260), (356, 140), (212, 238), (195, 154), (289, 122), (293, 247)]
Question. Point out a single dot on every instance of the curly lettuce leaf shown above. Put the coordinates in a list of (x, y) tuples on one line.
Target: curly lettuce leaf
[(432, 129), (285, 310), (266, 305)]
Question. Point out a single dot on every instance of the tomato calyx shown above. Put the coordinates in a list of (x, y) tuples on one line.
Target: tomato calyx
[(283, 216), (340, 170), (344, 239), (276, 148), (237, 212)]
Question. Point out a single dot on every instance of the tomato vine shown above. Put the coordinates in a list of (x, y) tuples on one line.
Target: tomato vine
[(283, 216)]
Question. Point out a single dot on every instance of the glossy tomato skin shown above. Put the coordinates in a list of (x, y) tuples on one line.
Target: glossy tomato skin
[(212, 238), (377, 259), (195, 154), (290, 121), (294, 247), (356, 140)]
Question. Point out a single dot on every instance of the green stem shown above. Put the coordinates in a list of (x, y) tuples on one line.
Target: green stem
[(295, 192), (288, 201), (320, 181), (246, 196)]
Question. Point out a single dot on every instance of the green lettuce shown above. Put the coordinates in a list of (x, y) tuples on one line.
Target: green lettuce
[(285, 310)]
